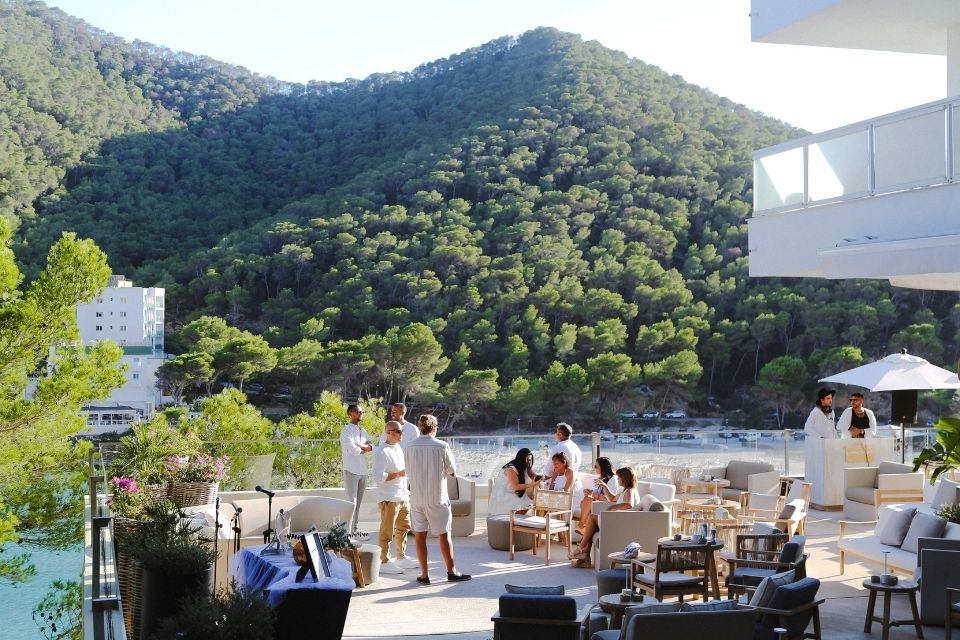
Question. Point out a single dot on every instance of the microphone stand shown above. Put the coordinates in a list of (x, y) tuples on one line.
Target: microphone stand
[(269, 535), (235, 521), (216, 536)]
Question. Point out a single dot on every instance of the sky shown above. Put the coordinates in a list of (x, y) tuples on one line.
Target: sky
[(707, 42)]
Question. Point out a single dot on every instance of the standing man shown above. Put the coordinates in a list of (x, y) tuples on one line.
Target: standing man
[(354, 445), (429, 462), (564, 444), (391, 476), (857, 421), (398, 411), (820, 421)]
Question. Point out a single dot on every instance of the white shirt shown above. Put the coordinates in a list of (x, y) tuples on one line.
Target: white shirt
[(574, 456), (352, 436), (410, 433), (843, 424), (429, 462), (820, 424), (389, 459)]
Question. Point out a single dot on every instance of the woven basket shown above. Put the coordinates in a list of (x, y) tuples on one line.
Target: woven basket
[(191, 494), (157, 491), (128, 574)]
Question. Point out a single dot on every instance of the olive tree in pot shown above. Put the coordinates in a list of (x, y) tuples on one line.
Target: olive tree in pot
[(227, 615), (176, 563)]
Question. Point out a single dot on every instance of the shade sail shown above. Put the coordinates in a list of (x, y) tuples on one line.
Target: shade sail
[(897, 372)]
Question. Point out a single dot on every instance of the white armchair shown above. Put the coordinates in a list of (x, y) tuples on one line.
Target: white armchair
[(619, 528), (746, 477), (866, 488), (463, 503)]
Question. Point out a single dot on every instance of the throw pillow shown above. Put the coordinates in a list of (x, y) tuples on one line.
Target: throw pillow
[(713, 605), (923, 525), (535, 589), (896, 525), (648, 502), (768, 586), (946, 493)]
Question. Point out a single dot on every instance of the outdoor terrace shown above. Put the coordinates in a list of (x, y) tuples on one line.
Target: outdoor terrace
[(396, 606)]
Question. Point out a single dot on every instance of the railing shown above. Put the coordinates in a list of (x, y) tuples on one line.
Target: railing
[(102, 615), (916, 147)]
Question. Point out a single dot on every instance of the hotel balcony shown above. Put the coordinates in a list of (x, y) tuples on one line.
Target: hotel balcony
[(875, 199)]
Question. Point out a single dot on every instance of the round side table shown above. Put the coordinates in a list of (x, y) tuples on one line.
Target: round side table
[(908, 587)]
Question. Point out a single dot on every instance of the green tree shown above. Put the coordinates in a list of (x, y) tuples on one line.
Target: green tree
[(781, 381), (675, 375), (409, 360), (184, 370), (41, 470), (468, 391), (611, 376), (244, 356)]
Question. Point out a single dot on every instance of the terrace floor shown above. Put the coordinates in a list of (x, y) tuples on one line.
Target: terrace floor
[(397, 606)]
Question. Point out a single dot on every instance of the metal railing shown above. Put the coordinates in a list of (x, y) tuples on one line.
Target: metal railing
[(102, 615), (916, 147)]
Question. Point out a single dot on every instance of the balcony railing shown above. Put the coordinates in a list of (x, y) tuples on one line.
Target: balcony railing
[(914, 148), (102, 616)]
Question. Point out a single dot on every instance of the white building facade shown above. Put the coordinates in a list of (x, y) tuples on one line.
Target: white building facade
[(873, 199), (133, 318)]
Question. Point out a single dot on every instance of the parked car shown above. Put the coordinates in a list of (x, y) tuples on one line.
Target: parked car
[(253, 389), (675, 414), (624, 440), (629, 415), (649, 415), (606, 434)]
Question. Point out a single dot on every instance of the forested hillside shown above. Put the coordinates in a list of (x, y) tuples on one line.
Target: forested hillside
[(538, 226)]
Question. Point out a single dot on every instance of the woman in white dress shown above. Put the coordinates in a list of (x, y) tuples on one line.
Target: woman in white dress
[(605, 488), (626, 499), (511, 484)]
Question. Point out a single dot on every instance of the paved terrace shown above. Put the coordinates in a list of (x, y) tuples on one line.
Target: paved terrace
[(396, 606)]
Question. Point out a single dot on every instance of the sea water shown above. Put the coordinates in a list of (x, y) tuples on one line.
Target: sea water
[(17, 603)]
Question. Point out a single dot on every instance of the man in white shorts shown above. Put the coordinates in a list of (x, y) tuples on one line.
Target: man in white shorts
[(429, 462)]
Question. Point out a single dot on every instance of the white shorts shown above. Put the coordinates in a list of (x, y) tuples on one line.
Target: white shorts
[(436, 519)]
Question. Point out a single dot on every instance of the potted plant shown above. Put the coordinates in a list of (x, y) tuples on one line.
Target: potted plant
[(194, 479), (231, 614), (944, 455), (142, 454), (175, 561)]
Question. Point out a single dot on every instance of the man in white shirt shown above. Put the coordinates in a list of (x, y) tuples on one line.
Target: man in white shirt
[(354, 445), (390, 473), (819, 423), (565, 445), (398, 412), (857, 421), (429, 462)]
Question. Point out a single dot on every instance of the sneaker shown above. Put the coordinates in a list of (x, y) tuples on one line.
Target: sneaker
[(390, 568), (408, 563)]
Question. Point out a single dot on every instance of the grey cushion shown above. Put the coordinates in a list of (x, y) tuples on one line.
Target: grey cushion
[(739, 470), (887, 467), (650, 607), (453, 488), (896, 525), (951, 531), (649, 502), (863, 495), (714, 605), (535, 589), (768, 586), (923, 525), (460, 508), (541, 607), (946, 493)]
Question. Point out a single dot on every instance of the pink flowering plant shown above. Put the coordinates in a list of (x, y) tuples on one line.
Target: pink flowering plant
[(199, 467), (127, 500)]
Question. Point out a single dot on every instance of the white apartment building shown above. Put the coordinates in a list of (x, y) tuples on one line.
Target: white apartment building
[(872, 199), (133, 318)]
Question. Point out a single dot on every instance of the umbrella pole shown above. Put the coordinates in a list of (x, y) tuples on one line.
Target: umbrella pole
[(903, 444)]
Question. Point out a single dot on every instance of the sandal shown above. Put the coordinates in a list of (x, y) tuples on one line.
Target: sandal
[(579, 554)]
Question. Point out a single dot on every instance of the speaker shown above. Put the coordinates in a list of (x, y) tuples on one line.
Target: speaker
[(903, 407)]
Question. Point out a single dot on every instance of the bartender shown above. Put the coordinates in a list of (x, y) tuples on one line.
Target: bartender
[(820, 422), (857, 421)]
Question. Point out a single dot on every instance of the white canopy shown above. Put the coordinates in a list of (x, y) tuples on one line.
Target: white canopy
[(897, 372)]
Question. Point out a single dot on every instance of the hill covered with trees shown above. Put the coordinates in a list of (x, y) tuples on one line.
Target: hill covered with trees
[(538, 226)]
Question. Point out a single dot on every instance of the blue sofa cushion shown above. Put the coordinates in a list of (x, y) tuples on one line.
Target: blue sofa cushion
[(539, 607)]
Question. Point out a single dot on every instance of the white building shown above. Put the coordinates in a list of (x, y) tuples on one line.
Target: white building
[(133, 318), (873, 199)]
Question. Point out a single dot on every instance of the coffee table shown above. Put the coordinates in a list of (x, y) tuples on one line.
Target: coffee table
[(613, 604), (705, 486), (908, 587), (731, 506)]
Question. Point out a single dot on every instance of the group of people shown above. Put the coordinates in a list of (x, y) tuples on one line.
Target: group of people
[(514, 486), (410, 467), (856, 421)]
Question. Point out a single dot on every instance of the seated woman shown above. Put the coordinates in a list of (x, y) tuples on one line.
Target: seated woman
[(605, 488), (511, 485), (564, 478), (626, 499)]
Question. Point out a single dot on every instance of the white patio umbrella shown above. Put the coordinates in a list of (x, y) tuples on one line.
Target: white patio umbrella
[(897, 372)]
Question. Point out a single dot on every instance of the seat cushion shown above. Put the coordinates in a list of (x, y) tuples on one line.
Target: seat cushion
[(669, 579), (715, 605), (863, 495), (453, 488), (768, 586), (789, 596), (535, 589), (946, 493), (649, 502), (461, 508), (887, 467)]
